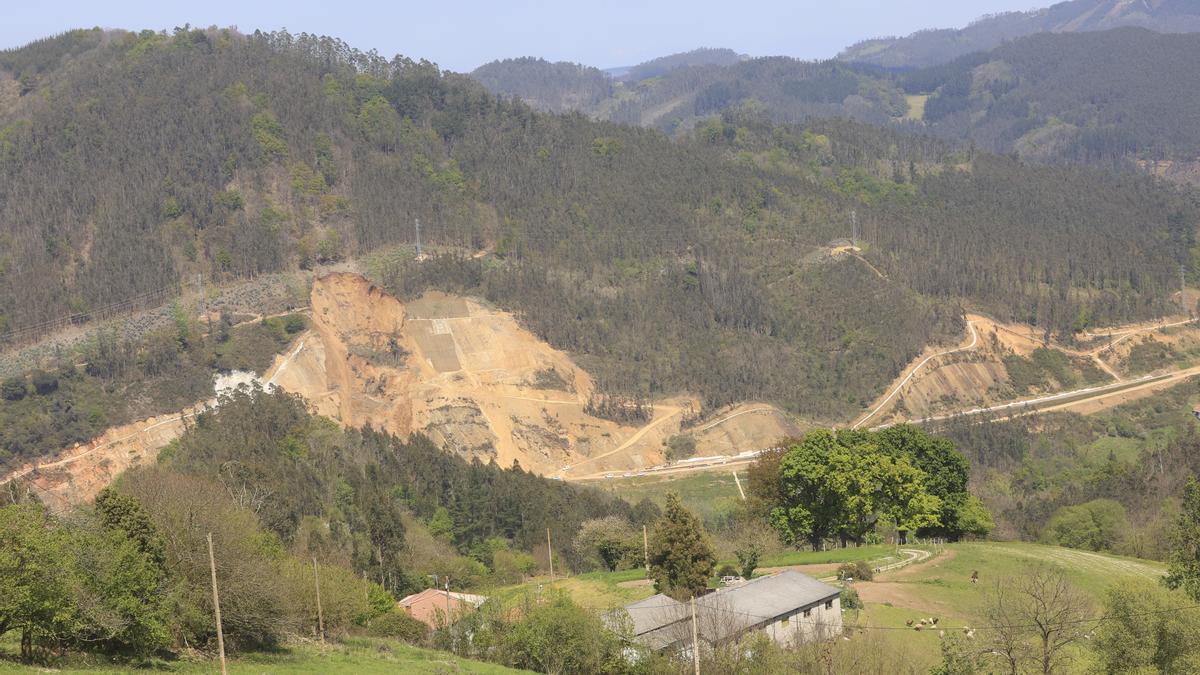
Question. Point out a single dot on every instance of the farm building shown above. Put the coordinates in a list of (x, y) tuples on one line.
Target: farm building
[(789, 607), (430, 606)]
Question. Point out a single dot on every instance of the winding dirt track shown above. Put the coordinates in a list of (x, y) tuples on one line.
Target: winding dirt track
[(913, 371), (658, 419)]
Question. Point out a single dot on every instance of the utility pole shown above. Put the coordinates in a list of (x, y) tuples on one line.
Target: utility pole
[(212, 565), (320, 614), (417, 221), (550, 552), (695, 638), (646, 549), (447, 601), (854, 228)]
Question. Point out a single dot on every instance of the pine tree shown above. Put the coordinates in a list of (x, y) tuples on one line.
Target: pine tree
[(681, 558), (124, 513)]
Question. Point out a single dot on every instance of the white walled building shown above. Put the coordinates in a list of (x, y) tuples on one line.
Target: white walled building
[(790, 607)]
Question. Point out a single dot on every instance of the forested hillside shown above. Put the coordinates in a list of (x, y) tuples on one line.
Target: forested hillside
[(1090, 97), (283, 498), (674, 92), (556, 87), (1093, 97), (698, 263), (697, 57), (931, 47)]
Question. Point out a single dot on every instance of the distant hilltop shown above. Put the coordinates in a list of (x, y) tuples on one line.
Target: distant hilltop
[(932, 47)]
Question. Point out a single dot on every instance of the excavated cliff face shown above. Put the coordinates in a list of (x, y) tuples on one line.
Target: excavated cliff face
[(465, 374), (353, 365), (76, 475)]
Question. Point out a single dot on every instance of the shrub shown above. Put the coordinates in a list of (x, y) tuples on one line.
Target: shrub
[(727, 570), (294, 323), (859, 570), (1098, 525), (560, 637), (400, 625), (850, 600), (13, 389), (680, 447), (44, 383)]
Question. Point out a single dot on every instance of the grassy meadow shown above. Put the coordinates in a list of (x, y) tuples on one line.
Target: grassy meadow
[(354, 655)]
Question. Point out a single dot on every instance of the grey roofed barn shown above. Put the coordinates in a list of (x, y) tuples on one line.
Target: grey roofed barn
[(729, 612)]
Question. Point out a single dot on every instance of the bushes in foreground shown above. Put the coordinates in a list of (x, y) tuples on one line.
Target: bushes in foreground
[(130, 578), (554, 636)]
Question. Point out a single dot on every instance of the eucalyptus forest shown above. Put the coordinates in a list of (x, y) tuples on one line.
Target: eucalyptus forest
[(909, 332)]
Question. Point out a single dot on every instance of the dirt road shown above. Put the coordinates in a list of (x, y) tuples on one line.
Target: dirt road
[(1090, 395), (659, 418), (913, 371)]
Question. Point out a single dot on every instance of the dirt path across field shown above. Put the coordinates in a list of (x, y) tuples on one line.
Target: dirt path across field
[(896, 588)]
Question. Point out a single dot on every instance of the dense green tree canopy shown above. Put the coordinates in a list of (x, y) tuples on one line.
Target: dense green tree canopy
[(845, 484), (1098, 525), (1144, 631)]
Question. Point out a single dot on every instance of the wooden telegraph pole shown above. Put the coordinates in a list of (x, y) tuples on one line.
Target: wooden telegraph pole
[(695, 638), (320, 614), (212, 565), (550, 552), (645, 548)]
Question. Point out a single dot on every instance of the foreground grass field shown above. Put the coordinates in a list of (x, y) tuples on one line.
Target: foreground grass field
[(355, 655)]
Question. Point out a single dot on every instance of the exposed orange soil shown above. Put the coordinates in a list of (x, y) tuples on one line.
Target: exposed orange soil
[(465, 374), (976, 377)]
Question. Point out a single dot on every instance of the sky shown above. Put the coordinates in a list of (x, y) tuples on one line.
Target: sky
[(465, 34)]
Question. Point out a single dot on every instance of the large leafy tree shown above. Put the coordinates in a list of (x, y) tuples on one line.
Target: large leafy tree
[(811, 502), (1183, 570), (843, 484), (125, 514), (119, 599), (605, 540), (946, 472), (35, 597), (681, 558), (904, 501), (64, 583)]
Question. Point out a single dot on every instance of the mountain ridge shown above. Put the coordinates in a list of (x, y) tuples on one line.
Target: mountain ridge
[(935, 46)]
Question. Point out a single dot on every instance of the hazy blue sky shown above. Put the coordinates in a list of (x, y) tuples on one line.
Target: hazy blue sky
[(462, 35)]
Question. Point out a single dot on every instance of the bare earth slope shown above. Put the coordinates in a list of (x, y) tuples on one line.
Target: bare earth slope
[(972, 377), (463, 373)]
